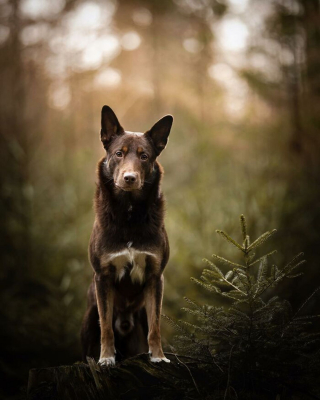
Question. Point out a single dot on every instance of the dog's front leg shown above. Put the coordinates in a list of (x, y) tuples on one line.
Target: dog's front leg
[(105, 298), (153, 301)]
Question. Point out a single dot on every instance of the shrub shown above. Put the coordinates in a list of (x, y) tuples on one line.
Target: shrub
[(254, 345)]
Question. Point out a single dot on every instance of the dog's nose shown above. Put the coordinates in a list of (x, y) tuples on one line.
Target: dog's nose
[(130, 177)]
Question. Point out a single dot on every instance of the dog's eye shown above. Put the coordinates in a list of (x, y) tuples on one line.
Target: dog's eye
[(119, 154), (144, 156)]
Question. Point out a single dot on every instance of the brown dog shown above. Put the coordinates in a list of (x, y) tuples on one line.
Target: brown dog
[(129, 247)]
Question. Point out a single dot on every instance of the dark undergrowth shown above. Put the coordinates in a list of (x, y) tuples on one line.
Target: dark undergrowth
[(254, 345)]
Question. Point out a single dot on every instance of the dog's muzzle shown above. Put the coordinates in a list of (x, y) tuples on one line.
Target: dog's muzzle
[(129, 181)]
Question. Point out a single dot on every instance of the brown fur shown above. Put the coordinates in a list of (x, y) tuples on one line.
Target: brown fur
[(126, 293)]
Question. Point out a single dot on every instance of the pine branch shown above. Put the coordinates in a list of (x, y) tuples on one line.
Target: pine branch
[(234, 286), (189, 325), (234, 296), (243, 224), (263, 238), (210, 288), (192, 303), (262, 257), (306, 301), (229, 239), (262, 273), (227, 262), (294, 259), (213, 267), (242, 275), (173, 324), (278, 275)]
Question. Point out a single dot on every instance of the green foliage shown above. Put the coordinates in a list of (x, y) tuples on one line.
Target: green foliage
[(255, 343)]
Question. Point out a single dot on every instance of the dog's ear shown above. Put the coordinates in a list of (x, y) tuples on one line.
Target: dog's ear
[(110, 126), (159, 133)]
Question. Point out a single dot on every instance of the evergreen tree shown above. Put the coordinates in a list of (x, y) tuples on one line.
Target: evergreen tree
[(255, 344)]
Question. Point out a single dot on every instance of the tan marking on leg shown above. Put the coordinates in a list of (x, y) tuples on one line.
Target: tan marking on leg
[(105, 298), (153, 302)]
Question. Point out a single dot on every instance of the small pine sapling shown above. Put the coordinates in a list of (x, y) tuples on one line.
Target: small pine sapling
[(256, 345)]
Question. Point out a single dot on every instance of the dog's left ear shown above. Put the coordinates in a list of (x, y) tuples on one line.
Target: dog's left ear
[(159, 133), (110, 126)]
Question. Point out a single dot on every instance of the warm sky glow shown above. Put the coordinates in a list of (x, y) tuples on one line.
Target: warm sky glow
[(233, 34), (41, 8), (238, 6), (85, 39)]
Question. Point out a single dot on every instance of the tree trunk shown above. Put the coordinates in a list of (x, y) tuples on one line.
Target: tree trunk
[(134, 378)]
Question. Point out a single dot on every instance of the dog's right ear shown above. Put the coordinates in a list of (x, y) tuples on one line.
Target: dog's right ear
[(110, 126)]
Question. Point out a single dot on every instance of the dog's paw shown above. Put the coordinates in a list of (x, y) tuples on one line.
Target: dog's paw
[(159, 359), (107, 362)]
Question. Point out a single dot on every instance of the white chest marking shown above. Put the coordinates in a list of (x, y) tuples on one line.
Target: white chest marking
[(136, 259)]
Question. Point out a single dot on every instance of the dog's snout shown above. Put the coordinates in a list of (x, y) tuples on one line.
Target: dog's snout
[(130, 177)]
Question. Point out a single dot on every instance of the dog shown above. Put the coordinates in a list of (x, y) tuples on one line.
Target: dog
[(129, 247)]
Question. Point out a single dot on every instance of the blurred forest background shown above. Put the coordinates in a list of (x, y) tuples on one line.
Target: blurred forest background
[(242, 80)]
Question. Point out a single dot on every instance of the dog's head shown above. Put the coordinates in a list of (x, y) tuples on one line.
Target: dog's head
[(131, 155)]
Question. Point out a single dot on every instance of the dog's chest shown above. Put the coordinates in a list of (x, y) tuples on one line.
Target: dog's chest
[(130, 261)]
